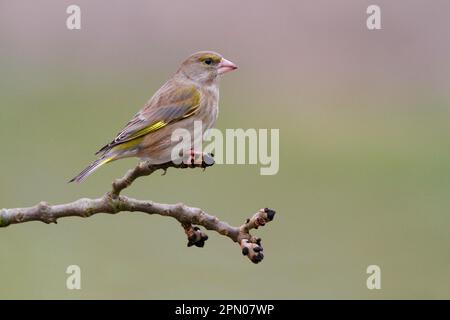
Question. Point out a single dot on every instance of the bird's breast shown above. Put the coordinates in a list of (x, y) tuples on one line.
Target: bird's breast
[(209, 106)]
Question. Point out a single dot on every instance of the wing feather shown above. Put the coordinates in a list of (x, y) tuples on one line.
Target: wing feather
[(171, 103)]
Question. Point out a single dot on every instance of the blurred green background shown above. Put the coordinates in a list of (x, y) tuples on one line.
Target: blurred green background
[(364, 159)]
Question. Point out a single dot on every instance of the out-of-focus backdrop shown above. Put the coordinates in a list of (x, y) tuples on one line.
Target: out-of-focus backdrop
[(364, 153)]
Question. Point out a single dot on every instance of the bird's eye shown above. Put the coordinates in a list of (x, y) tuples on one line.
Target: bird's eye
[(208, 61)]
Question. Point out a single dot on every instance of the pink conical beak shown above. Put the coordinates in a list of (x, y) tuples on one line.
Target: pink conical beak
[(226, 66)]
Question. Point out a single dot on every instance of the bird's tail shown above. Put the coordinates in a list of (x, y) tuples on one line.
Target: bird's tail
[(91, 168)]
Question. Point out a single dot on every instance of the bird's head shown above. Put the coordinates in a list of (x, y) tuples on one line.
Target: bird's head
[(205, 66)]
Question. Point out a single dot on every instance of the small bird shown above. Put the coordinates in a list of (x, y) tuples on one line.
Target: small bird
[(191, 94)]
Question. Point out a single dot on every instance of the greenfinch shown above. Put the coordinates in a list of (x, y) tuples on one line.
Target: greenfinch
[(191, 94)]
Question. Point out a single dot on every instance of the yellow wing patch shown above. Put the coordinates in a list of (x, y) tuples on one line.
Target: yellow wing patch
[(186, 102), (146, 130)]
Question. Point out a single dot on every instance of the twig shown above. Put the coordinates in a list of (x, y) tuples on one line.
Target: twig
[(112, 202)]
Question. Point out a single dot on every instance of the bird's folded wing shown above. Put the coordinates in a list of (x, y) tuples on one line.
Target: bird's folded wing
[(168, 106)]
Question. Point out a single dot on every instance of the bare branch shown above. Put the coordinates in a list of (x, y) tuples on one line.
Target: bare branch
[(112, 202)]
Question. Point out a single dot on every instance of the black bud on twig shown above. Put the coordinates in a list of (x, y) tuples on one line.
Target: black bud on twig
[(200, 244), (270, 213), (252, 250)]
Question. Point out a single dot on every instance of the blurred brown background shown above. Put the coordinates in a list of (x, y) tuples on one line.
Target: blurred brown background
[(364, 127)]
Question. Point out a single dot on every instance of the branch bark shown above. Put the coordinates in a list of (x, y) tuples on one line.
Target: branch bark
[(113, 202)]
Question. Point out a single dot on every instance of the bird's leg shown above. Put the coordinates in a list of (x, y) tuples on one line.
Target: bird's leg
[(200, 158)]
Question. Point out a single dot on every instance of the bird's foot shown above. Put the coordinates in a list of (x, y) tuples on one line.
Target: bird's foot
[(253, 250), (199, 159)]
